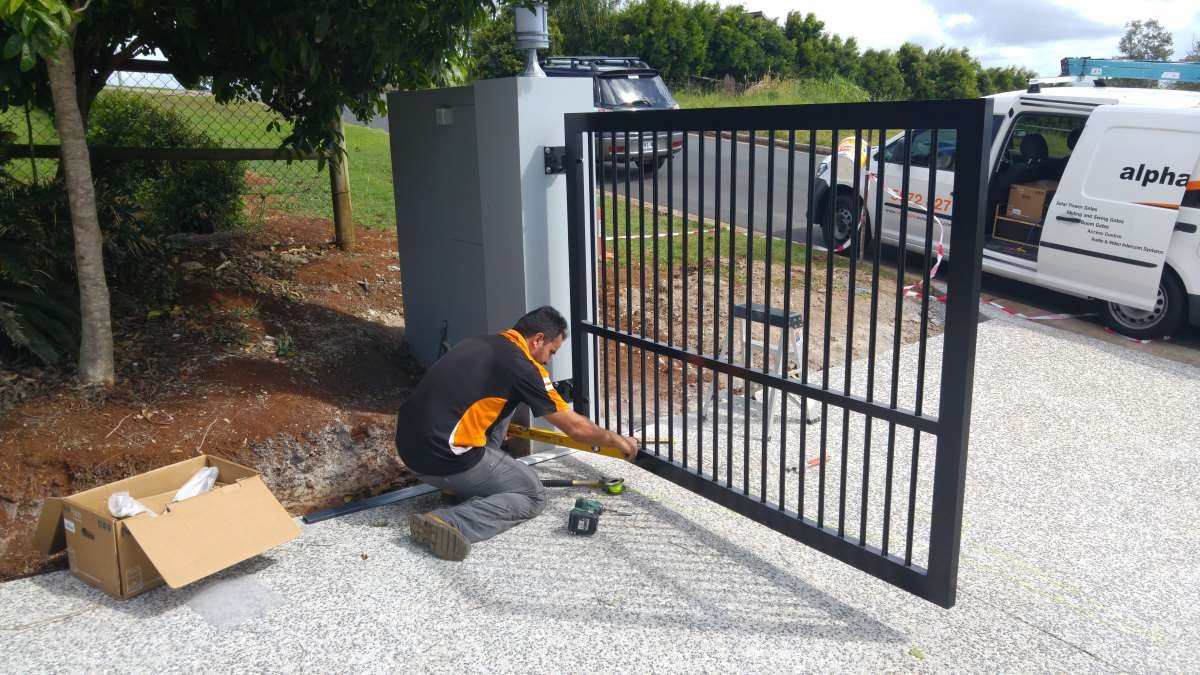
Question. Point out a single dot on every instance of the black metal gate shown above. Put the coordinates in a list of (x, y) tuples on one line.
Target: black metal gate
[(710, 319)]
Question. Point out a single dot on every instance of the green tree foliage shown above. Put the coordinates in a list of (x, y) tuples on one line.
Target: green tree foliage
[(1146, 41), (747, 46), (665, 33), (586, 25), (915, 70), (820, 54), (685, 40), (879, 74), (492, 52), (807, 32), (1009, 78), (306, 59), (953, 73)]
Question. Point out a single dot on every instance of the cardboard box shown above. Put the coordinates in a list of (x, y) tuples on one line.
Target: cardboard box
[(1028, 201), (189, 540)]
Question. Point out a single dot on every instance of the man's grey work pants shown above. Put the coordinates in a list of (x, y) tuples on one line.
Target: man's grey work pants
[(501, 492)]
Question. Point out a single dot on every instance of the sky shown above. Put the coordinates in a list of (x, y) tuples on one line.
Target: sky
[(1035, 34)]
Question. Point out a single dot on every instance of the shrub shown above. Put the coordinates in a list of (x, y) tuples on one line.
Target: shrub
[(38, 309), (187, 196)]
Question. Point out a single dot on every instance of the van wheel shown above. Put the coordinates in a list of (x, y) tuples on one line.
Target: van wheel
[(1166, 317), (837, 230)]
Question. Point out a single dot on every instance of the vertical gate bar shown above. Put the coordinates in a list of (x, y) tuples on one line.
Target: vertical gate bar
[(684, 273), (789, 232), (716, 410), (642, 282), (878, 230), (809, 220), (700, 134), (576, 248), (830, 245), (930, 207), (958, 354), (901, 257), (670, 296), (597, 148), (591, 190), (616, 211), (853, 278), (746, 350), (628, 290), (732, 255), (768, 258)]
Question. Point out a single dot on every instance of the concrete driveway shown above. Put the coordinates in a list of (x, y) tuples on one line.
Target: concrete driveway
[(1078, 555)]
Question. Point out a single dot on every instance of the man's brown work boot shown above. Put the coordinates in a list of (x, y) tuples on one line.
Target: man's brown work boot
[(442, 538)]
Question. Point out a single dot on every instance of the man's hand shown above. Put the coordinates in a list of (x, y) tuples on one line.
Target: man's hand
[(583, 430), (629, 446)]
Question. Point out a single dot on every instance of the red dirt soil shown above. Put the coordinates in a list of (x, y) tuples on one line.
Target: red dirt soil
[(276, 335)]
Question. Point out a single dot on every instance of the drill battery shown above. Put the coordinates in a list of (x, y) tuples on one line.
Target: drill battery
[(585, 517)]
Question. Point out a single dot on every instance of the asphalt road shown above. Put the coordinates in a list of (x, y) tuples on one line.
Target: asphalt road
[(737, 166)]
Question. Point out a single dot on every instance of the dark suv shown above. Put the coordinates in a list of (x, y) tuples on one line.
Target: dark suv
[(623, 83)]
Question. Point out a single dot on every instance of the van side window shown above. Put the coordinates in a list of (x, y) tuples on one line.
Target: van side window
[(947, 140), (1042, 137)]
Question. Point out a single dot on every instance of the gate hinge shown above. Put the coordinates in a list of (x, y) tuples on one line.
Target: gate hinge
[(566, 389), (556, 159)]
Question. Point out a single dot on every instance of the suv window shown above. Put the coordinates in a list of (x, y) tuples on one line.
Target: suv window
[(634, 90)]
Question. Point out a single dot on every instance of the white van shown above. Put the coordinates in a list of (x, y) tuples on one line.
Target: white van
[(1106, 203)]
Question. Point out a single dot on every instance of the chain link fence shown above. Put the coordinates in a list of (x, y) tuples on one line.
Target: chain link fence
[(245, 131)]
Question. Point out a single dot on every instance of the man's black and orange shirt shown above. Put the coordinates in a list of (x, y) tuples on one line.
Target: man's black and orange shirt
[(444, 425)]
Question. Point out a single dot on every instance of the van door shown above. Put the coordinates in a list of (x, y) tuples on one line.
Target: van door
[(1107, 231), (921, 154)]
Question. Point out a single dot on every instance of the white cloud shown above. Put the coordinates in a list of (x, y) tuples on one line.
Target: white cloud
[(1034, 34), (960, 19)]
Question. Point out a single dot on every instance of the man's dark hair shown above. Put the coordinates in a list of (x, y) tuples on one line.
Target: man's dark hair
[(545, 320)]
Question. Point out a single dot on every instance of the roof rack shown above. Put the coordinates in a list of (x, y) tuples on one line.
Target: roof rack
[(594, 62), (1167, 71), (1088, 71)]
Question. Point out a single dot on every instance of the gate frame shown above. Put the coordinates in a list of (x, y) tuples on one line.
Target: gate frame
[(972, 118)]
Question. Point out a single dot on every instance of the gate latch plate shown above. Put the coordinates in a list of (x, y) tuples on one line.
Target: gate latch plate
[(556, 159)]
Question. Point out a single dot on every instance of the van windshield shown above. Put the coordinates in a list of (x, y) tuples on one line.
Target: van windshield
[(647, 91)]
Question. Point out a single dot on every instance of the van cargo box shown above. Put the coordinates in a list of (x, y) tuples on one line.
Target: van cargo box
[(188, 540), (1028, 201)]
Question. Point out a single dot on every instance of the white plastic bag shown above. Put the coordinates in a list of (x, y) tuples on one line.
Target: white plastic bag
[(121, 505), (202, 481)]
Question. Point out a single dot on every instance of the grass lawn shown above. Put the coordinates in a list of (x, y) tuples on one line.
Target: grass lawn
[(639, 239), (305, 191)]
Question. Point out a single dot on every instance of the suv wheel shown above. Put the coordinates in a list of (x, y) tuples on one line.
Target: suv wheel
[(654, 165)]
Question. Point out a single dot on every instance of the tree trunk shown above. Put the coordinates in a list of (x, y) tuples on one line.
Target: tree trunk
[(96, 345), (339, 187)]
